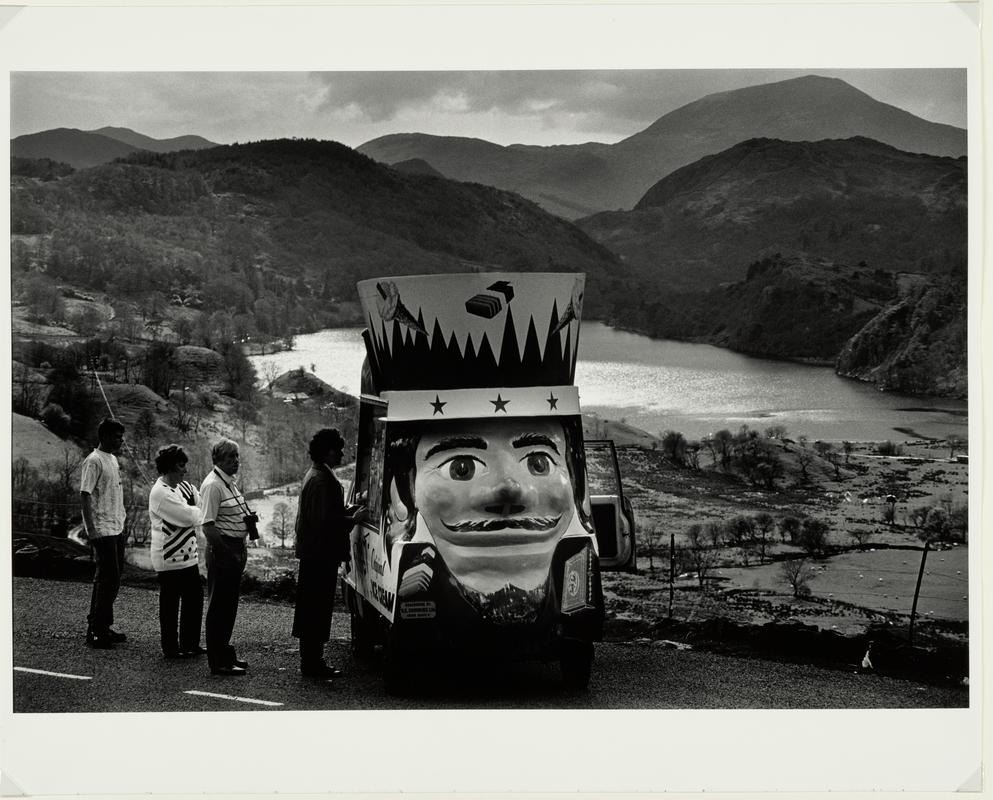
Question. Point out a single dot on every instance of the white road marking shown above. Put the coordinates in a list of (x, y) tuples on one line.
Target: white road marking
[(232, 697), (54, 674)]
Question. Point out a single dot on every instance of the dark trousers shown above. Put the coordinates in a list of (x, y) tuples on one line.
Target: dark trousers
[(316, 581), (225, 565), (108, 555), (180, 589)]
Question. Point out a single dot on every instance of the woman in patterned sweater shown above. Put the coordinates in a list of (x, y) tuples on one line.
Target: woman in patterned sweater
[(173, 509)]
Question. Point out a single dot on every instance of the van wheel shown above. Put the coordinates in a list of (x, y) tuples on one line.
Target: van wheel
[(363, 634), (396, 668), (576, 661)]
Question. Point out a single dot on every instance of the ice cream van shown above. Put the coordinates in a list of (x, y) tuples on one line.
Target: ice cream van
[(470, 458)]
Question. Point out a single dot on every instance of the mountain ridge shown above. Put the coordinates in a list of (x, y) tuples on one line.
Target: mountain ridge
[(83, 149), (600, 177), (852, 200)]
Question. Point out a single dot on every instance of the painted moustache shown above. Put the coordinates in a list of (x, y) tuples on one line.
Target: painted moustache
[(524, 523)]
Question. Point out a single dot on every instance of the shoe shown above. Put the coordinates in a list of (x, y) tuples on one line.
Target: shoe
[(320, 671), (239, 663), (99, 642), (177, 654), (116, 637), (194, 652), (231, 670)]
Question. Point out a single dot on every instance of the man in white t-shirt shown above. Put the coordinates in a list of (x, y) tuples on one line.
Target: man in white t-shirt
[(103, 516)]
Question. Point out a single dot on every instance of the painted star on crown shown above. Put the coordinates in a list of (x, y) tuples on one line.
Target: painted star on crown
[(499, 404), (437, 405), (552, 400)]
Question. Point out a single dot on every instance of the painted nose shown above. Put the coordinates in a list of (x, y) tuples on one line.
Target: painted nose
[(507, 496)]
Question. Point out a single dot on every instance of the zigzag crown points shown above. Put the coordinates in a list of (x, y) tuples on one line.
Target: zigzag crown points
[(406, 358)]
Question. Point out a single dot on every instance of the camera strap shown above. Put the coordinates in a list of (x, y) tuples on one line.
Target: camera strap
[(235, 493)]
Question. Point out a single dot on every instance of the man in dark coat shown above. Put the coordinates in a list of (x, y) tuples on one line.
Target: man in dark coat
[(322, 527)]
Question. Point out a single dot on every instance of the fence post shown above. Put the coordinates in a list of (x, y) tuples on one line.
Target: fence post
[(672, 569), (917, 591)]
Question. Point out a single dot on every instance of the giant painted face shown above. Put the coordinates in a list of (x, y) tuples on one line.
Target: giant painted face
[(496, 496)]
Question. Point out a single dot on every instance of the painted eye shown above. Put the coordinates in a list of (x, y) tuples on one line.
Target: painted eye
[(461, 468), (539, 463)]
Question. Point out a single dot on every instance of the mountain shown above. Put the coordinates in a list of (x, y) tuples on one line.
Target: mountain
[(280, 231), (82, 149), (578, 180), (850, 201), (141, 142), (416, 166), (917, 344), (72, 146)]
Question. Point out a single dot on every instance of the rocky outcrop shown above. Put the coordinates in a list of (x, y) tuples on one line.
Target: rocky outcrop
[(198, 365), (916, 345)]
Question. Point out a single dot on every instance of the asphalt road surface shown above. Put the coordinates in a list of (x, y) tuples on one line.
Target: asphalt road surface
[(55, 672)]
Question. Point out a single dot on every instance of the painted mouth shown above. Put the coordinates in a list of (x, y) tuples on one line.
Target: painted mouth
[(540, 524)]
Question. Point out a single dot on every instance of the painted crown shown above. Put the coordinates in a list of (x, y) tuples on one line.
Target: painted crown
[(466, 331)]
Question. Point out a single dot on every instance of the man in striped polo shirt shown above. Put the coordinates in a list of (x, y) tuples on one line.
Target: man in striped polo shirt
[(224, 512)]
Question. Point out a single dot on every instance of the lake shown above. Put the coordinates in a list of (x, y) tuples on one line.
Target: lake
[(697, 389)]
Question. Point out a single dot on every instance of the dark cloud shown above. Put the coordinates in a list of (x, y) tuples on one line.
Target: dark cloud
[(545, 107), (621, 101)]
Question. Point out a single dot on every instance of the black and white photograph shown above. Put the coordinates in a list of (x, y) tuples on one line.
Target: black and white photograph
[(618, 406)]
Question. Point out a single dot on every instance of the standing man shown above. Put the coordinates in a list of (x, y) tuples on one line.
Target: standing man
[(322, 527), (103, 517), (226, 521)]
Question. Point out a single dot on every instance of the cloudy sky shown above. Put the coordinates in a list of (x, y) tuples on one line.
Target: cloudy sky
[(506, 107)]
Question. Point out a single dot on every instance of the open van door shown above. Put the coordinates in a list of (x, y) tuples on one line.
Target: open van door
[(613, 517)]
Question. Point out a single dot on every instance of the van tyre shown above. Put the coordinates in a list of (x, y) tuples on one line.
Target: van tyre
[(396, 667), (363, 634), (576, 662)]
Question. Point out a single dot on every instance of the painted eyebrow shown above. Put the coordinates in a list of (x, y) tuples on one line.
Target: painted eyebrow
[(529, 439), (456, 443)]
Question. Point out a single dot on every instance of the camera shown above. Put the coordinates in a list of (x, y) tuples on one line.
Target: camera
[(252, 524)]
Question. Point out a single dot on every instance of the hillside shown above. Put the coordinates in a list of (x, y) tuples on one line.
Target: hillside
[(917, 344), (578, 180), (416, 166), (82, 149), (77, 148), (275, 234), (791, 307), (141, 142), (850, 201)]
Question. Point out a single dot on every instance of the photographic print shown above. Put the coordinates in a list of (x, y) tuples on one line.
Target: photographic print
[(411, 392)]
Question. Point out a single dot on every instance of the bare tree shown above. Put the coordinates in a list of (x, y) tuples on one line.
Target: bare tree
[(270, 371), (652, 535), (804, 458), (861, 536), (282, 523), (246, 414), (764, 523), (699, 555), (835, 458), (29, 389), (798, 574), (848, 447), (955, 442), (693, 453), (144, 432)]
